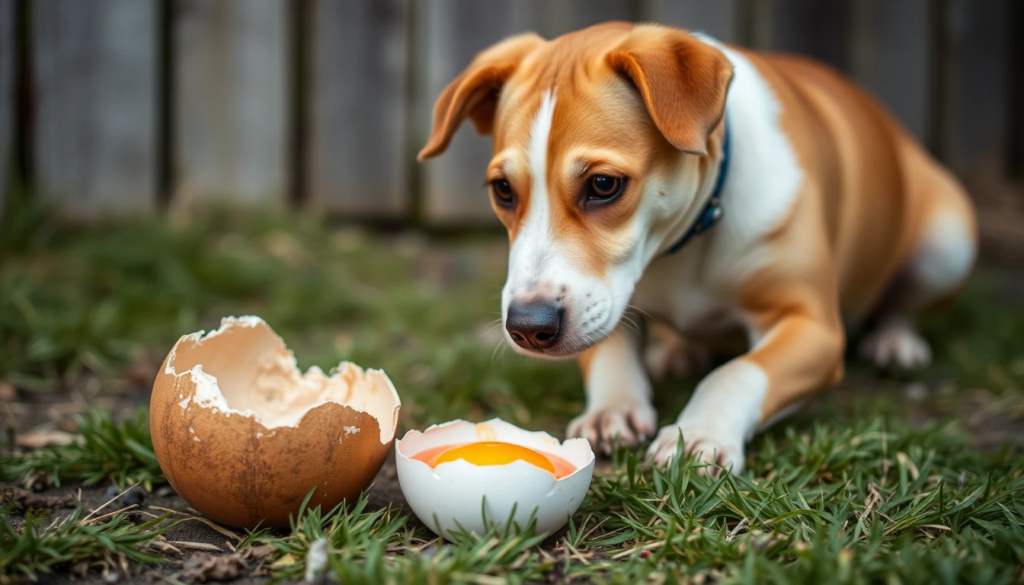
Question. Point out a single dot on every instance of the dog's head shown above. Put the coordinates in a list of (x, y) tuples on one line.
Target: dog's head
[(601, 149)]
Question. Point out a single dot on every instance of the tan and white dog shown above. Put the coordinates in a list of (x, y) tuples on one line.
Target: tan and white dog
[(613, 142)]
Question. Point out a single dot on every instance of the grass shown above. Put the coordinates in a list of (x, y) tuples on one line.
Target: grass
[(867, 485), (41, 547), (379, 547), (121, 453), (864, 502), (857, 505)]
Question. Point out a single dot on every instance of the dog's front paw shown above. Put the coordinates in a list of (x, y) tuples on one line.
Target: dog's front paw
[(627, 424), (724, 453)]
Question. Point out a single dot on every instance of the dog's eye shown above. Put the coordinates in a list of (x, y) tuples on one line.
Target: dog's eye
[(604, 188), (503, 193)]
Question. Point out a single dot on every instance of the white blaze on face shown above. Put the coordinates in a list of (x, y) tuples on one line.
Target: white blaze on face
[(527, 255), (543, 268)]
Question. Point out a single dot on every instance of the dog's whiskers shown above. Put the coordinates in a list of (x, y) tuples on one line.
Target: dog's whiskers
[(638, 310)]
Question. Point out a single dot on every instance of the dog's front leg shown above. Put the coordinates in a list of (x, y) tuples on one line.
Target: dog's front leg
[(795, 357), (618, 394)]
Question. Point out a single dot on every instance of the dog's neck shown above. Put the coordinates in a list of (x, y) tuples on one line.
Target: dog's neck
[(757, 201), (712, 211)]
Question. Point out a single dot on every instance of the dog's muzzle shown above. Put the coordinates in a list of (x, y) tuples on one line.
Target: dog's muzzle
[(534, 324)]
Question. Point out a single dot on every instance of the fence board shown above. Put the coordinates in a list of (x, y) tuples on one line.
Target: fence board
[(95, 75), (6, 94), (230, 100), (449, 34), (359, 155), (810, 27), (978, 105), (718, 19), (551, 19), (889, 55)]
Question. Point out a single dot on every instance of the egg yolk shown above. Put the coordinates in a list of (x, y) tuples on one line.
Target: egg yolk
[(496, 453)]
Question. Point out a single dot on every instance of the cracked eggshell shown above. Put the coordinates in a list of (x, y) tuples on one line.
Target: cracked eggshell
[(458, 493), (243, 436)]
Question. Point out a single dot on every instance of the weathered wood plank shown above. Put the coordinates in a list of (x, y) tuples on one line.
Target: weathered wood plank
[(6, 95), (551, 19), (95, 74), (718, 19), (889, 55), (1015, 95), (449, 33), (811, 27), (230, 101), (979, 83), (359, 156)]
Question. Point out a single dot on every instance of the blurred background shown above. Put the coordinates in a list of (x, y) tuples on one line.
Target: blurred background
[(127, 107), (168, 162), (164, 163)]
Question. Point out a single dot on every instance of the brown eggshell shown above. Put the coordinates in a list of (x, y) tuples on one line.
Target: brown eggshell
[(239, 472)]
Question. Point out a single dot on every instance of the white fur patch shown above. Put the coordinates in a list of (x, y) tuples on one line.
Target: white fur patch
[(727, 403), (540, 134), (762, 185), (764, 174), (944, 255), (536, 225), (535, 232), (616, 376)]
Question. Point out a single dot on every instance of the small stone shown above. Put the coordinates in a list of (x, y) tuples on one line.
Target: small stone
[(915, 391), (316, 559), (135, 496), (428, 551)]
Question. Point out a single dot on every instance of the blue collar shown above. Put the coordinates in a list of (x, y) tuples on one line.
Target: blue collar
[(712, 211)]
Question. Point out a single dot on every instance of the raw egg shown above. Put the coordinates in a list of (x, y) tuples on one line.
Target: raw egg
[(472, 475), (243, 436)]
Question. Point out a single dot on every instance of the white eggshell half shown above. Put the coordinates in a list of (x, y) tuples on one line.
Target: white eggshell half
[(458, 493)]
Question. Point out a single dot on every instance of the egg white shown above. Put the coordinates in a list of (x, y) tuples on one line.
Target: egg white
[(461, 494)]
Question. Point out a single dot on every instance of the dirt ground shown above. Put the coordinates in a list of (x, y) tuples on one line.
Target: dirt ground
[(197, 539), (994, 425), (194, 538)]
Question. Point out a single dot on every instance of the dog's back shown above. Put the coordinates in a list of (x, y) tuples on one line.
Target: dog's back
[(883, 196)]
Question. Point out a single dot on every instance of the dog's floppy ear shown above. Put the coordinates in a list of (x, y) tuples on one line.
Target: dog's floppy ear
[(474, 93), (682, 81)]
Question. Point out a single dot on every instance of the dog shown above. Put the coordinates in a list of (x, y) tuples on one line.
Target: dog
[(755, 201)]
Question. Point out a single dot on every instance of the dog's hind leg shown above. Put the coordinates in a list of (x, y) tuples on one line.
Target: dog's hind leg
[(939, 264), (669, 354)]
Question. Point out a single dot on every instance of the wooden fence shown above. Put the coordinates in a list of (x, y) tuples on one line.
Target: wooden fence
[(115, 107)]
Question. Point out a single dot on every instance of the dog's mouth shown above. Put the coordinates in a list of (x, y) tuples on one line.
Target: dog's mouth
[(563, 349), (559, 351)]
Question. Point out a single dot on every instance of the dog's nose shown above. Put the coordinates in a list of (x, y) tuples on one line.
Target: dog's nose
[(534, 324)]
